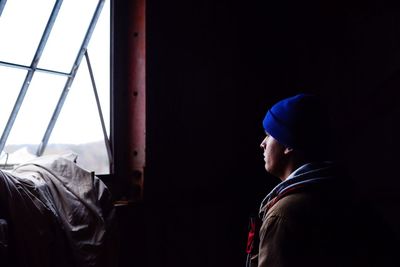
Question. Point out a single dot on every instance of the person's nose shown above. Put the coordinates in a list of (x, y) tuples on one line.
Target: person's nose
[(262, 145)]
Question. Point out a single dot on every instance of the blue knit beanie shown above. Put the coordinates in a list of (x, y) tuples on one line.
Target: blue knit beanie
[(298, 122)]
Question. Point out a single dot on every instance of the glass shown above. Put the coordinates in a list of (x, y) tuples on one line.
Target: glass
[(98, 48), (67, 35), (78, 128), (22, 24), (36, 109), (11, 81)]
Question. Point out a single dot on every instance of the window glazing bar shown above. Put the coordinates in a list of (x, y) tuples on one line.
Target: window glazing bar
[(29, 75), (23, 67), (2, 5), (78, 60), (103, 126)]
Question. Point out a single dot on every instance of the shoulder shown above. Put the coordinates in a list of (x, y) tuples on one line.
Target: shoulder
[(287, 213), (292, 205), (302, 211)]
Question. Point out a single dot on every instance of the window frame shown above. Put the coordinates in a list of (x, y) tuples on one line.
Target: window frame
[(128, 100), (34, 67)]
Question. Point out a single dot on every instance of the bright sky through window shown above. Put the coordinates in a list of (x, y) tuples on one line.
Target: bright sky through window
[(22, 24)]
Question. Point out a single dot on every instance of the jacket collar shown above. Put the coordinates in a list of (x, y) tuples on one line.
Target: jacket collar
[(305, 175)]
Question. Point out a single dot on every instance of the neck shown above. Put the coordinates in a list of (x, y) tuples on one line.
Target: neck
[(291, 166)]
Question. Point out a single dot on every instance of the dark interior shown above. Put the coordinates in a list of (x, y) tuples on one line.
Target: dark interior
[(212, 70)]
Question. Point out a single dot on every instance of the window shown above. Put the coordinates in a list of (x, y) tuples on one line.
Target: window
[(55, 81)]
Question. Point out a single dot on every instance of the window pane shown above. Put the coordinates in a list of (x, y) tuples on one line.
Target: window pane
[(78, 128), (22, 24), (11, 81), (67, 35), (36, 110), (100, 60)]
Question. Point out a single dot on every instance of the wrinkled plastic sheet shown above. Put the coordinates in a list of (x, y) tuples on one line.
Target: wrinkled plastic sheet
[(58, 214)]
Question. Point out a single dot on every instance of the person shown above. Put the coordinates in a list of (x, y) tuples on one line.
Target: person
[(307, 219)]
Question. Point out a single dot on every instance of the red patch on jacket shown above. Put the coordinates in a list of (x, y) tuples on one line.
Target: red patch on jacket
[(252, 238)]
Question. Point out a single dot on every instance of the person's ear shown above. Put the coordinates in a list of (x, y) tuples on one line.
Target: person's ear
[(288, 150)]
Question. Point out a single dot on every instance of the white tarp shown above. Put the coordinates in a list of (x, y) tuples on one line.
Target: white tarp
[(61, 208)]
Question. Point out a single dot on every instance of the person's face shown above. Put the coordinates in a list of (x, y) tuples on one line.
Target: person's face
[(274, 156)]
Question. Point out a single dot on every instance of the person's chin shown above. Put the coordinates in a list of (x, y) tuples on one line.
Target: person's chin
[(268, 169)]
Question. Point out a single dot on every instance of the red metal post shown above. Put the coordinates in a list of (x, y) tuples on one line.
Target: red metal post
[(137, 95)]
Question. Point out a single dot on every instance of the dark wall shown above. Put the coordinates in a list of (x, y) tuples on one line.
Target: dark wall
[(213, 69)]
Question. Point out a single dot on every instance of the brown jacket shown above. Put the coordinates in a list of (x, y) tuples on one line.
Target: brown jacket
[(303, 229), (320, 227)]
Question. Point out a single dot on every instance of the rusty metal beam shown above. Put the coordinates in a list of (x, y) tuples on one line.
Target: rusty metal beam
[(128, 97), (137, 93)]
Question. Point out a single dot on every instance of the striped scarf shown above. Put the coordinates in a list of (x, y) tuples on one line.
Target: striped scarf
[(308, 175)]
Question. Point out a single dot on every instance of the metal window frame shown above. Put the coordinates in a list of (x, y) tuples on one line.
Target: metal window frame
[(2, 5), (70, 78)]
